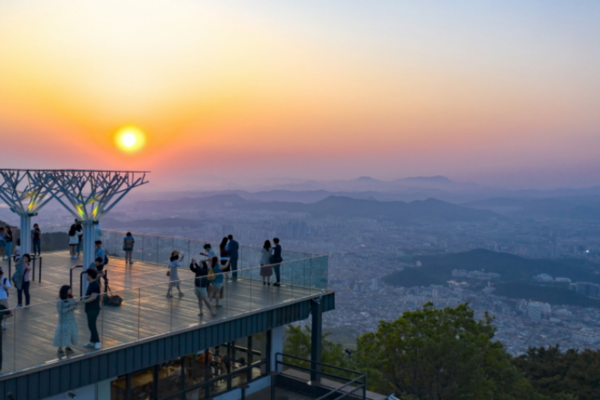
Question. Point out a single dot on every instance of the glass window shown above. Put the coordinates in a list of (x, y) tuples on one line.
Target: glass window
[(196, 370), (142, 385), (195, 394), (169, 379), (118, 388)]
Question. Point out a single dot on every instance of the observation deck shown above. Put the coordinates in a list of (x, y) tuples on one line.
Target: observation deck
[(146, 314)]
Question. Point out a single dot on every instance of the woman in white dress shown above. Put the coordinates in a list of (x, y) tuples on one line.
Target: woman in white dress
[(66, 333)]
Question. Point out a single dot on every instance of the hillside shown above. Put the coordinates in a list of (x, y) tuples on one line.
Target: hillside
[(516, 273)]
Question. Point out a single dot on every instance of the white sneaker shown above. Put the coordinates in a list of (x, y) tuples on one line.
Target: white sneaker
[(98, 345), (89, 344)]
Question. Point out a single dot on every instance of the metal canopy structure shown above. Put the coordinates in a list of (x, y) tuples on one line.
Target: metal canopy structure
[(87, 194), (25, 196)]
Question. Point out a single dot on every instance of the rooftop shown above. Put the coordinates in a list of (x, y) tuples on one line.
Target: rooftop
[(145, 313)]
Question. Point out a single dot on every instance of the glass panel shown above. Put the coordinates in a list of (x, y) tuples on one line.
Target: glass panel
[(169, 379), (195, 394), (142, 385), (118, 388), (195, 369), (218, 369), (259, 370)]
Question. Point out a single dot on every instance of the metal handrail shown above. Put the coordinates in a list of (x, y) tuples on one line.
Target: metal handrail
[(362, 385)]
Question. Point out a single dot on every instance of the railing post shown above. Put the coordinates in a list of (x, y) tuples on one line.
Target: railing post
[(316, 339)]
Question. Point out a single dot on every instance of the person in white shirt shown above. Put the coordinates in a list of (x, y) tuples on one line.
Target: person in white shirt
[(4, 285)]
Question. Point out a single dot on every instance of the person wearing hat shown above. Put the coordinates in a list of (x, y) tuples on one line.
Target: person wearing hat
[(174, 263)]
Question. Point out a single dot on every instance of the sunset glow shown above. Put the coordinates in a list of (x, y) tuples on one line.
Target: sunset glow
[(403, 88), (130, 138)]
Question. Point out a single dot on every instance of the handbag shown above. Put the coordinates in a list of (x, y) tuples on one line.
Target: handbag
[(112, 300), (211, 275), (169, 272)]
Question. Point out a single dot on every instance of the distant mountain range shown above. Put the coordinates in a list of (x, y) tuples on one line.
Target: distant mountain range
[(337, 206), (571, 207)]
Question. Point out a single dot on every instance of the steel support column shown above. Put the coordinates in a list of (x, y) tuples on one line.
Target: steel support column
[(316, 349), (25, 233), (88, 247)]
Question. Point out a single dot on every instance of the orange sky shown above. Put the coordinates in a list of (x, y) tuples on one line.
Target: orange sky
[(301, 90)]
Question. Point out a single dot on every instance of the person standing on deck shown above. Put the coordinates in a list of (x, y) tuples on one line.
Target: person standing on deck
[(4, 313), (66, 332), (73, 241), (217, 284), (201, 284), (4, 286), (79, 229), (174, 263), (128, 243), (266, 270), (277, 260), (92, 307), (210, 253), (23, 276), (36, 240), (233, 249)]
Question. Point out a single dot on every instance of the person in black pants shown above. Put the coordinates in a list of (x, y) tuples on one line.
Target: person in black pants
[(233, 249), (277, 260), (4, 313), (92, 307)]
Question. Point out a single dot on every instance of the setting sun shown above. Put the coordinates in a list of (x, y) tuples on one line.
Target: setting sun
[(130, 138)]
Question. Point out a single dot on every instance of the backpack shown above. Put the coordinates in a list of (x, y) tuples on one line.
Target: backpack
[(105, 259), (211, 275), (112, 300)]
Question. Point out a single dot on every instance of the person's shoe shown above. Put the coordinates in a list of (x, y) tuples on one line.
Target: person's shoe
[(169, 296), (19, 305), (89, 344), (180, 294), (70, 350), (200, 314), (97, 346), (276, 284), (61, 352)]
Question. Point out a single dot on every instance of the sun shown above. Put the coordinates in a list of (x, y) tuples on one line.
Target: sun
[(130, 138)]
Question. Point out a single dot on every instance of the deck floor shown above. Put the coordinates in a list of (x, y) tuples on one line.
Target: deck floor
[(145, 312)]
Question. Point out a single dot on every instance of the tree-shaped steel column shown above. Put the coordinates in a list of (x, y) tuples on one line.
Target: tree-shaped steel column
[(25, 195), (89, 195)]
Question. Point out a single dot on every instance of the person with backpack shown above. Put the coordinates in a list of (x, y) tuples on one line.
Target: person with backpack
[(66, 333), (174, 263), (201, 284), (4, 286), (128, 243), (217, 284)]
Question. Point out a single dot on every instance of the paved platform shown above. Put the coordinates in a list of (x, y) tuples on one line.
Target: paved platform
[(145, 312)]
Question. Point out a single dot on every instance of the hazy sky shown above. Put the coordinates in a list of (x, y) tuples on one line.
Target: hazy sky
[(497, 92)]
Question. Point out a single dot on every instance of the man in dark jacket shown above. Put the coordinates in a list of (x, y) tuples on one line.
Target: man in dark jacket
[(277, 261), (233, 249)]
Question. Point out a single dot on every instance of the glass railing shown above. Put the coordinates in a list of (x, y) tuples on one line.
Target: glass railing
[(32, 337), (157, 250)]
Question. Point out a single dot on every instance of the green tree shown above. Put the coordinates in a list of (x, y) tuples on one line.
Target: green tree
[(440, 354), (570, 373)]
